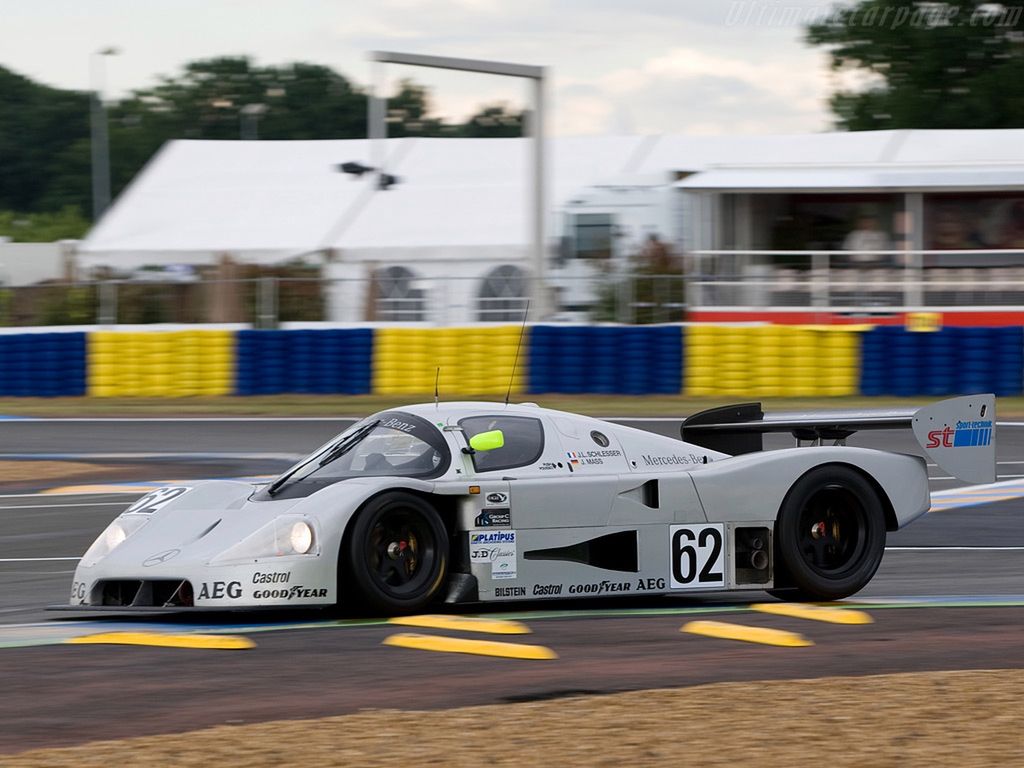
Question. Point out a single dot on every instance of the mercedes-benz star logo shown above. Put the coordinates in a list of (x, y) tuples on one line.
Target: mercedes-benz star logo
[(161, 557)]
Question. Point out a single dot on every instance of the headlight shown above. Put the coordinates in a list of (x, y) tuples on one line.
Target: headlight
[(301, 537), (114, 536), (288, 535)]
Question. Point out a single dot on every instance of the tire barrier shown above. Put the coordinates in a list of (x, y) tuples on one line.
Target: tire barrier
[(702, 360), (946, 362), (473, 361), (772, 360), (335, 361), (606, 360), (161, 363), (42, 364)]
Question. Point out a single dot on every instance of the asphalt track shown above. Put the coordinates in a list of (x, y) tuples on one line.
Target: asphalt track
[(308, 664)]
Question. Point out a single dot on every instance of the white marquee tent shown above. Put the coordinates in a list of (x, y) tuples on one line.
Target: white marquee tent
[(461, 206)]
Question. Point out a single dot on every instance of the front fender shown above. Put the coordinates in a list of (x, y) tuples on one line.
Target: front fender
[(752, 487), (335, 506)]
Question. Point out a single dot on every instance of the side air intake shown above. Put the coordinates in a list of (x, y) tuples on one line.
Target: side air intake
[(612, 552)]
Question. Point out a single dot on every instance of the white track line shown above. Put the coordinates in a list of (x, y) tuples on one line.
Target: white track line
[(35, 559), (950, 477), (138, 491), (52, 506), (183, 419), (259, 419), (196, 455), (954, 549)]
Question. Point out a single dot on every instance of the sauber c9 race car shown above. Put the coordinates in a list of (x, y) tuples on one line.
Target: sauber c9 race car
[(483, 502)]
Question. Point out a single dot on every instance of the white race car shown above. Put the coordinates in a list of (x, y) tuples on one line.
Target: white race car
[(466, 502)]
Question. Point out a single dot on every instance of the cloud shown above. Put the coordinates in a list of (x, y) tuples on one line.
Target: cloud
[(692, 91), (643, 65)]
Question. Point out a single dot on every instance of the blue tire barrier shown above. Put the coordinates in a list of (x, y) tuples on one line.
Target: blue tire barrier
[(951, 361), (636, 360), (337, 361), (43, 364)]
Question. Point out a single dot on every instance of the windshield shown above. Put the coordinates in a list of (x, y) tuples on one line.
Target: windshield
[(390, 444)]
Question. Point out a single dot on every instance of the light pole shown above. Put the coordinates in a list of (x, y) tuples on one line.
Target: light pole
[(100, 142), (249, 118)]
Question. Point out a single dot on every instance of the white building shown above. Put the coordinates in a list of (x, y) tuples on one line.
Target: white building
[(450, 240)]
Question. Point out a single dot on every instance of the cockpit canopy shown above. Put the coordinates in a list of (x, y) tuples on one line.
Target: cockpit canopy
[(388, 444)]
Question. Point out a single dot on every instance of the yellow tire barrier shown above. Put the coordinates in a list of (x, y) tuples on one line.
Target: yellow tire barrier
[(161, 363)]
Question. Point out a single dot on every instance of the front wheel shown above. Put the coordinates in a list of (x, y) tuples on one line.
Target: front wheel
[(397, 553), (830, 533)]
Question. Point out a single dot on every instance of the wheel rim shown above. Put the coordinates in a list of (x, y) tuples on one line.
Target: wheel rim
[(833, 531), (401, 551)]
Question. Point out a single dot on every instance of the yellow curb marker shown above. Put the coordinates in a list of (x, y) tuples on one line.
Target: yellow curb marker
[(830, 614), (162, 640), (463, 623), (476, 647), (724, 631)]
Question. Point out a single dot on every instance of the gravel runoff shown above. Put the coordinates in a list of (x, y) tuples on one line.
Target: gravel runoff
[(962, 718)]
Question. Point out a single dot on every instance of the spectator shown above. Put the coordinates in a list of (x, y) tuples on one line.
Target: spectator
[(868, 236)]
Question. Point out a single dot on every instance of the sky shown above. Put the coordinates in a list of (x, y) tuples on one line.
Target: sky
[(615, 66)]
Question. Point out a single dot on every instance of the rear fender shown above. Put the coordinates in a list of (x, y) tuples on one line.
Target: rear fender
[(752, 487)]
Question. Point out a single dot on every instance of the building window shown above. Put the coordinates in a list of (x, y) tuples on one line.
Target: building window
[(970, 222), (396, 297), (592, 235), (503, 295)]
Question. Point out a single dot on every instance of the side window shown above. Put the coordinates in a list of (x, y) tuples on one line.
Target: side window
[(524, 441)]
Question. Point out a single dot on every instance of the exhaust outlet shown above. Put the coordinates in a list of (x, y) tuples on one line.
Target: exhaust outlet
[(759, 560)]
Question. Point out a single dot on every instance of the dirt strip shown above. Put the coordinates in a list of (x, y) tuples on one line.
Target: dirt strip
[(919, 719), (25, 471)]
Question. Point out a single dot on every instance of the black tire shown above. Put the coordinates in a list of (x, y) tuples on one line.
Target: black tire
[(830, 534), (396, 556)]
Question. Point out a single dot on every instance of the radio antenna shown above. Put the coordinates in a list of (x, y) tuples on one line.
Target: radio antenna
[(515, 363), (437, 377)]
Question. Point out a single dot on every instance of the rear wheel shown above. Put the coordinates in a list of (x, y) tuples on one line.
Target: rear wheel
[(397, 554), (831, 534)]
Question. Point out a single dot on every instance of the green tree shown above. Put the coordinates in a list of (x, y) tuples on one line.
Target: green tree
[(45, 138), (66, 224), (951, 64), (409, 113), (37, 126), (494, 121)]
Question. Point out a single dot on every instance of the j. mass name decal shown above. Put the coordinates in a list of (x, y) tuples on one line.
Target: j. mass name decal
[(591, 457)]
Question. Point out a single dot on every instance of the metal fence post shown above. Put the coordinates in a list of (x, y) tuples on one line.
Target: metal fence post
[(913, 280), (107, 306), (267, 316), (820, 279)]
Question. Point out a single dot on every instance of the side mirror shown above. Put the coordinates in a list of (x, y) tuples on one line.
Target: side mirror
[(487, 441)]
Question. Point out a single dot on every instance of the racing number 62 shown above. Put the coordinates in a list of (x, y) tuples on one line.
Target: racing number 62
[(697, 556)]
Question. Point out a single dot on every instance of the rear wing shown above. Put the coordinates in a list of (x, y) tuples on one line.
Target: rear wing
[(958, 434)]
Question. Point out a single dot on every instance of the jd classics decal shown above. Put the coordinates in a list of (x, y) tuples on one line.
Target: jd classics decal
[(497, 548)]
